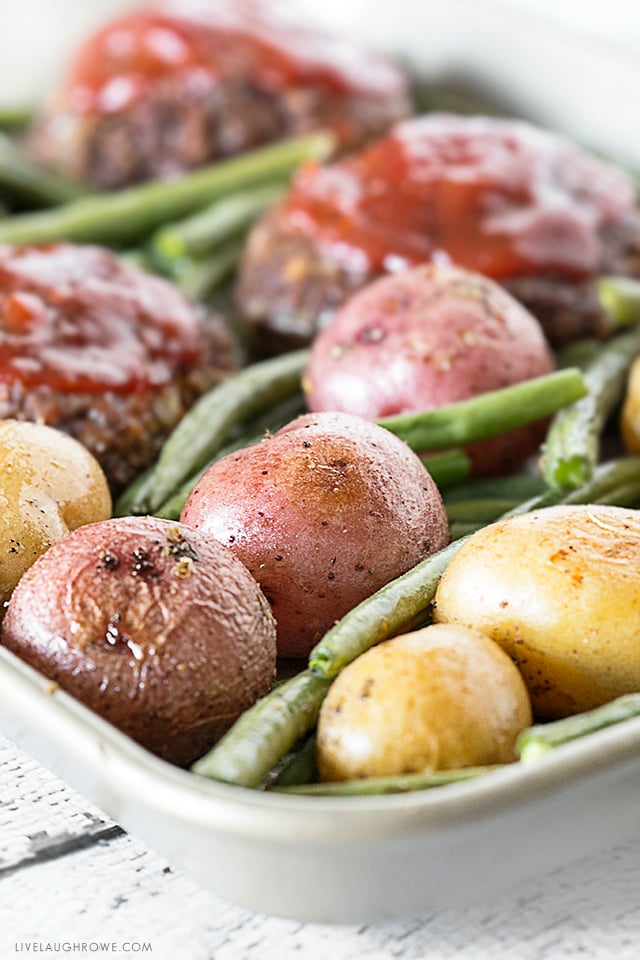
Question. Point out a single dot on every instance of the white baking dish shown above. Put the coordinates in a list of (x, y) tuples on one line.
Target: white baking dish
[(376, 858), (345, 859)]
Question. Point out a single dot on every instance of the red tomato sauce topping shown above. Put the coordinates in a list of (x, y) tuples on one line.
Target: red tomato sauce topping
[(499, 197), (207, 40), (76, 319)]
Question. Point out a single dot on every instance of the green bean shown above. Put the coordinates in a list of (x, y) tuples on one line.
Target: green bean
[(225, 219), (447, 467), (31, 183), (300, 767), (572, 446), (266, 732), (403, 783), (200, 279), (620, 299), (536, 741), (14, 118), (482, 511), (128, 215), (580, 353), (519, 486), (488, 414), (207, 426), (459, 529)]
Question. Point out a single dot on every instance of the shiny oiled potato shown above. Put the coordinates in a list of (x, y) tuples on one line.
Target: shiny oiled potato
[(559, 590), (49, 485), (440, 698)]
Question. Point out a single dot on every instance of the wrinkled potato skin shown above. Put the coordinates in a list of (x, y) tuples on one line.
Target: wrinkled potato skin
[(440, 698), (160, 630), (49, 484), (559, 590), (323, 514), (424, 338)]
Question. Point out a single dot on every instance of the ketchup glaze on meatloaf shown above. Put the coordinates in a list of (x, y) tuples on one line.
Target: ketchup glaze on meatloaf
[(500, 197), (103, 351), (179, 83)]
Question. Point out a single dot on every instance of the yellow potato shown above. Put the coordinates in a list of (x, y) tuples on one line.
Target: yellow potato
[(49, 484), (630, 417), (440, 698), (559, 590)]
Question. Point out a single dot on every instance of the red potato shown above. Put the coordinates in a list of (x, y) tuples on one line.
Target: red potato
[(323, 514), (156, 627), (425, 338)]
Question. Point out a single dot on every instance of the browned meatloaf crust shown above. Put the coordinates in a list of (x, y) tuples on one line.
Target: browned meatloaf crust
[(121, 120), (295, 271), (103, 351)]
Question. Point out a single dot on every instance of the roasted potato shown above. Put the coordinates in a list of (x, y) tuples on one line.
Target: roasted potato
[(440, 698), (156, 627), (424, 338), (559, 590), (323, 513), (630, 415), (49, 484)]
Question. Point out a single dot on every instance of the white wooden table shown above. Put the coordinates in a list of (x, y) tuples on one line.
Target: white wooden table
[(73, 883)]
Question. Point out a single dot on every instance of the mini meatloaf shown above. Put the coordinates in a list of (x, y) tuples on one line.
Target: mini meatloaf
[(181, 83), (502, 198), (103, 351)]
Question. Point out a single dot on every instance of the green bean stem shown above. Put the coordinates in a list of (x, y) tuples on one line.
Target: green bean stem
[(206, 427), (403, 783), (128, 215), (488, 414), (31, 183), (620, 299), (536, 741), (225, 219), (266, 732), (572, 446)]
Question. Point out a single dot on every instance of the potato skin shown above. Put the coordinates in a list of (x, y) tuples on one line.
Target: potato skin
[(558, 589), (440, 698), (425, 338), (49, 484), (156, 627), (630, 414), (323, 514)]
